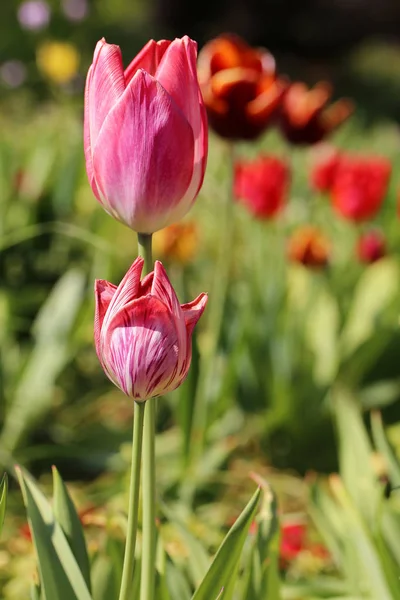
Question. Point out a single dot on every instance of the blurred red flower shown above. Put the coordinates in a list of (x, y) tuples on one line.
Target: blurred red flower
[(240, 88), (371, 246), (306, 117), (324, 168), (360, 185), (293, 539), (309, 246), (262, 185)]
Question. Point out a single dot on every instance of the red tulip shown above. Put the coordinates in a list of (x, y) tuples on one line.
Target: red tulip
[(293, 538), (240, 88), (371, 246), (306, 117), (142, 333), (309, 246), (324, 168), (145, 133), (262, 185), (360, 185)]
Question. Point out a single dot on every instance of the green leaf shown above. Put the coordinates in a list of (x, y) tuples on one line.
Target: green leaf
[(60, 576), (374, 294), (355, 453), (382, 445), (105, 585), (3, 499), (224, 566), (67, 517), (198, 561), (52, 328)]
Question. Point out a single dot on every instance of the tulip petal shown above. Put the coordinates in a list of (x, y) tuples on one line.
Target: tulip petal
[(162, 289), (177, 73), (103, 292), (127, 291), (192, 311), (148, 59), (141, 349), (143, 158), (87, 144), (106, 85)]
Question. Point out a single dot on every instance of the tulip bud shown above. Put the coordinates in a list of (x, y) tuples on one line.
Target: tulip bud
[(309, 246), (371, 246), (145, 133), (360, 186), (142, 333)]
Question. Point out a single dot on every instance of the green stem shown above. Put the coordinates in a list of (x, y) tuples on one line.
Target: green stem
[(149, 504), (147, 580), (133, 511)]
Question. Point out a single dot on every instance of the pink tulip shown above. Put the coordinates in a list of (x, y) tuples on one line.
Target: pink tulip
[(145, 133), (142, 333)]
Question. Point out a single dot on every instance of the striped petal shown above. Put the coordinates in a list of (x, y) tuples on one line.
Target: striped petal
[(127, 291), (141, 348), (103, 293), (192, 312), (162, 289)]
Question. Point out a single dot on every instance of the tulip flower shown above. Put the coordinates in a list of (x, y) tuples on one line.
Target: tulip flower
[(324, 168), (371, 246), (309, 247), (240, 88), (145, 131), (262, 185), (306, 118), (142, 333), (360, 185)]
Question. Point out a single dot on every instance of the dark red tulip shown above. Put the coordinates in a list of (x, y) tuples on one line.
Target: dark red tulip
[(240, 88), (306, 117)]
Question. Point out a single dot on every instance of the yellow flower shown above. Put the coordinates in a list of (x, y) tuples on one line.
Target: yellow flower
[(59, 61), (177, 243)]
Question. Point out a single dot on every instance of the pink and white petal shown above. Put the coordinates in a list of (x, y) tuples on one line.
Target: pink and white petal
[(163, 290), (127, 291), (145, 284), (103, 292), (143, 158), (140, 349), (106, 86), (148, 58), (192, 312)]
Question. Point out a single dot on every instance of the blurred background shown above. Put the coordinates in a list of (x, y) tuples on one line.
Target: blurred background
[(281, 336)]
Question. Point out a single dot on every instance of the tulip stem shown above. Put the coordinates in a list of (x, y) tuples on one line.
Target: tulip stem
[(149, 504), (127, 571), (147, 579)]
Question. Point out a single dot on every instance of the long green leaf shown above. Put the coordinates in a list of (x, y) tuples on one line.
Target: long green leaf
[(60, 576), (34, 394), (382, 444), (3, 499), (105, 586), (225, 563), (66, 515)]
